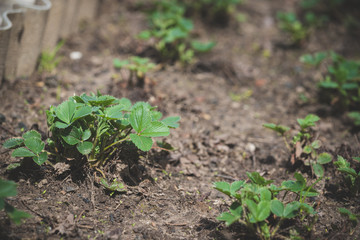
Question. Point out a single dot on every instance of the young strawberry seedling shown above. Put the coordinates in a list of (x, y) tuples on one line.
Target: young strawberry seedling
[(340, 82), (303, 145), (172, 30), (94, 127), (257, 204), (137, 66), (351, 177)]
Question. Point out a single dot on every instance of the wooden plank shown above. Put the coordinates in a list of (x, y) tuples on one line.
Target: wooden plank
[(53, 24), (34, 25), (4, 41), (13, 48), (68, 26)]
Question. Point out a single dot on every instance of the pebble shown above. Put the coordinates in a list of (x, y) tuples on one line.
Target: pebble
[(75, 55)]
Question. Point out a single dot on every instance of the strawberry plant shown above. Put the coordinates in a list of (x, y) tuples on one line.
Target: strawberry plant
[(341, 81), (137, 66), (94, 127), (303, 144), (172, 30), (351, 177), (298, 30), (260, 205), (8, 189), (48, 59), (353, 218)]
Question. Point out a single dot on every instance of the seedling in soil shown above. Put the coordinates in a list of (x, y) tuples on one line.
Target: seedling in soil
[(257, 206), (137, 66), (298, 30), (303, 145), (353, 218), (341, 81), (8, 189), (172, 30), (94, 127), (351, 177), (49, 60)]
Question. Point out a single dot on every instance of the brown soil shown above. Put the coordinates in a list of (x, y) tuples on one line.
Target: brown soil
[(170, 195)]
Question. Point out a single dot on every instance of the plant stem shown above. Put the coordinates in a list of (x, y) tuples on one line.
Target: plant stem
[(117, 142)]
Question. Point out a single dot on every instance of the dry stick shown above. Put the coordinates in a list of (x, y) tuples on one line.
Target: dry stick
[(92, 191)]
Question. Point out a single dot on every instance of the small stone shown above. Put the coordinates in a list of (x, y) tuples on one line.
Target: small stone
[(2, 118), (75, 55), (250, 147)]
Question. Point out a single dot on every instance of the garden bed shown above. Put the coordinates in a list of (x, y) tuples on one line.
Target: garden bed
[(252, 76)]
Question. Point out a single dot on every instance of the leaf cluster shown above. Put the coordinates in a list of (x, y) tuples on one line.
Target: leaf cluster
[(255, 203), (172, 29), (8, 189), (297, 29), (341, 80), (49, 60), (137, 66), (351, 176), (94, 126), (303, 144)]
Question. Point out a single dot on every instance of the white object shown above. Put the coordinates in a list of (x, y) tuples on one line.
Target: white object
[(17, 6), (75, 55)]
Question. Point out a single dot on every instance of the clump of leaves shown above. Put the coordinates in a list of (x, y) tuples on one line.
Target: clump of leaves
[(137, 66), (259, 205), (351, 177), (298, 30), (171, 30), (353, 218), (49, 59), (340, 81), (8, 189), (303, 145), (94, 127)]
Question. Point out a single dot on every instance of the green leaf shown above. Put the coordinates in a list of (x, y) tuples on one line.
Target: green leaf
[(277, 207), (348, 170), (265, 194), (155, 129), (139, 118), (143, 143), (15, 215), (235, 186), (120, 63), (41, 158), (144, 35), (318, 170), (236, 209), (316, 144), (260, 211), (171, 122), (202, 47), (61, 125), (86, 135), (34, 144), (324, 158), (308, 121), (65, 111), (32, 134), (307, 149), (228, 218), (114, 112), (306, 207), (328, 84), (13, 142), (126, 103), (114, 186), (82, 112), (291, 209), (156, 115), (223, 187), (256, 178), (7, 188), (277, 128), (22, 152), (84, 147)]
